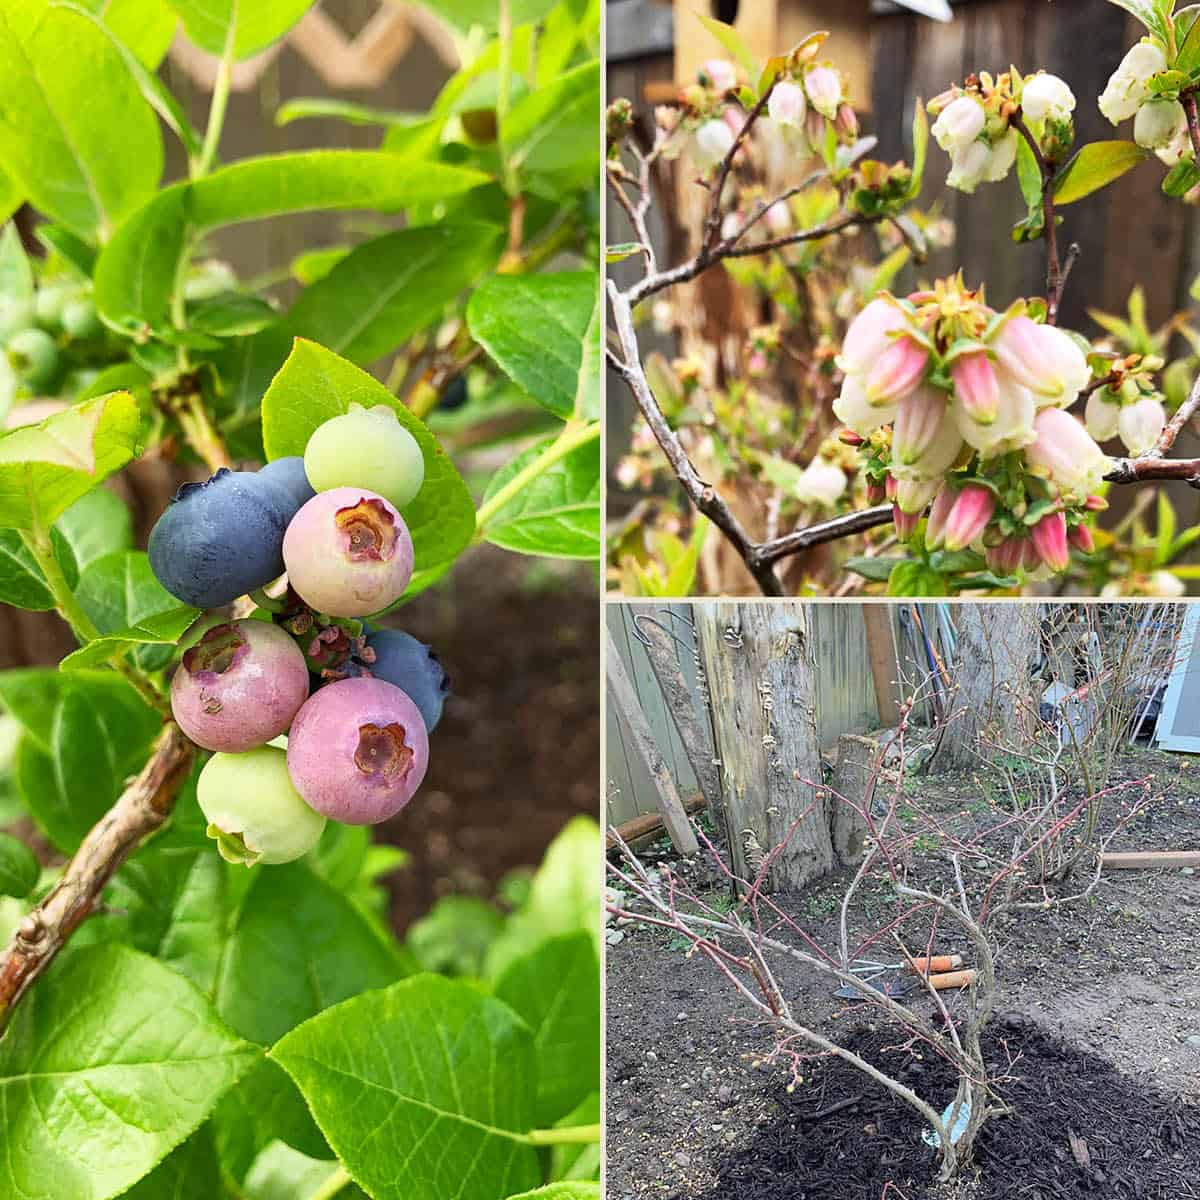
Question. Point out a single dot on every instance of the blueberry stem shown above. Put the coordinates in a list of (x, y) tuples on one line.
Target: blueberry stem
[(573, 436), (201, 434), (216, 111), (334, 1184), (570, 1135)]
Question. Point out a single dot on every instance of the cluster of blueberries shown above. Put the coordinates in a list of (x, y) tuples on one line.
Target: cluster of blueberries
[(356, 703), (53, 341)]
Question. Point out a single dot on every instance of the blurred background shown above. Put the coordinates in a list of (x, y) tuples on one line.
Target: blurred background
[(1131, 235), (516, 753)]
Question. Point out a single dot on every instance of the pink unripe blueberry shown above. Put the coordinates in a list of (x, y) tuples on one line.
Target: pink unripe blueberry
[(239, 686), (358, 750), (348, 553)]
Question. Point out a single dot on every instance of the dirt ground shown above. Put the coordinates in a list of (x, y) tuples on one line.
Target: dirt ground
[(1099, 1005)]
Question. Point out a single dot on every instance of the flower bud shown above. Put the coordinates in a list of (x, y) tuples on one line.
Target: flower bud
[(820, 483), (1140, 424), (1049, 537), (1096, 504), (959, 124), (1158, 123), (849, 438), (913, 495), (1007, 557), (854, 411), (905, 523), (1080, 536), (847, 121), (713, 141), (1101, 415), (1043, 359), (975, 386), (896, 372), (1064, 450), (891, 487), (939, 511), (876, 492), (1047, 96), (786, 104), (1129, 84), (968, 517), (919, 419), (778, 218), (719, 74), (824, 88), (869, 335)]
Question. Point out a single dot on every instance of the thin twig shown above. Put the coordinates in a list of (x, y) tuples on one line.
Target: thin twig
[(1056, 276)]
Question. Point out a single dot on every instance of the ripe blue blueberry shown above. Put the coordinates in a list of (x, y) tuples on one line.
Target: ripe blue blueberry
[(288, 474), (220, 539), (411, 666)]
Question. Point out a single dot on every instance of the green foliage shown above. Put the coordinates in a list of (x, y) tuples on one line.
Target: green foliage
[(1095, 166)]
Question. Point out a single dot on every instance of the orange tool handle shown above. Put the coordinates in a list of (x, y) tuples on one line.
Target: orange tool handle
[(939, 962), (953, 979)]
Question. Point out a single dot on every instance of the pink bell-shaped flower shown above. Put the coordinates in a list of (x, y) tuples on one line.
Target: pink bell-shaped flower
[(1043, 359), (1049, 537), (969, 517), (976, 387), (1065, 451), (919, 419), (1141, 423)]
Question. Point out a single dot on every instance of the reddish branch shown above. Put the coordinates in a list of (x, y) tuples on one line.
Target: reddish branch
[(141, 810)]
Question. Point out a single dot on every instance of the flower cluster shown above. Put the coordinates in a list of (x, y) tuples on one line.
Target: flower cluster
[(974, 124), (962, 409), (1159, 121)]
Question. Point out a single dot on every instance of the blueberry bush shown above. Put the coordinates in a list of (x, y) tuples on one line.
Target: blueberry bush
[(200, 995)]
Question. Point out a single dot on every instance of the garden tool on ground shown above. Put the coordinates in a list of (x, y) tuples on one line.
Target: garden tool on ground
[(895, 979)]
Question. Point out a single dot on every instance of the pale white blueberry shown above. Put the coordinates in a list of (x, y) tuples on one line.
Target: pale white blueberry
[(1129, 84), (1047, 96), (824, 87), (959, 124), (786, 105), (1066, 453), (1141, 423), (712, 142), (821, 482), (1042, 358), (1159, 123)]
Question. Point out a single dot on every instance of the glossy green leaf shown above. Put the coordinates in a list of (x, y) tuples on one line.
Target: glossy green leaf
[(1095, 166), (16, 275), (190, 1172), (257, 23), (539, 330), (64, 89), (10, 196), (281, 1173), (95, 1094), (97, 524), (48, 467), (422, 1089), (556, 989), (387, 289), (454, 936), (134, 287), (1181, 178), (19, 868), (1150, 14), (85, 732), (558, 513), (875, 569), (563, 1190), (564, 896), (305, 108), (731, 41), (464, 14), (315, 385), (21, 581), (552, 131), (145, 27), (153, 637)]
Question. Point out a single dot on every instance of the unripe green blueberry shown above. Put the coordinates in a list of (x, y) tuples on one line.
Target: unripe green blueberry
[(79, 318), (14, 315), (33, 356), (253, 811), (348, 553), (366, 448), (210, 279), (51, 299)]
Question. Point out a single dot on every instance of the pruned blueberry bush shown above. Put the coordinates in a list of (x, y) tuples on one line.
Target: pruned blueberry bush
[(934, 439), (200, 995)]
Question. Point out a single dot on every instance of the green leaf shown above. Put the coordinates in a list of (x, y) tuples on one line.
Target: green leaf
[(154, 638), (1165, 530), (95, 1094), (387, 289), (920, 141), (564, 896), (307, 268), (539, 331), (16, 275), (190, 1172), (281, 1173), (231, 314), (1188, 58), (875, 569), (1094, 166), (10, 196), (126, 602), (620, 251), (578, 1161), (731, 40), (563, 1190), (422, 1089), (85, 733), (454, 936), (19, 870), (21, 581), (45, 468), (64, 89), (1149, 13), (912, 578), (463, 14), (95, 525), (315, 385), (556, 989), (558, 512), (325, 107), (258, 22), (134, 288), (1029, 175), (1181, 178), (552, 131), (79, 253)]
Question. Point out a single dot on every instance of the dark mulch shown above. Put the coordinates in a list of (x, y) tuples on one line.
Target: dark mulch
[(1132, 1142)]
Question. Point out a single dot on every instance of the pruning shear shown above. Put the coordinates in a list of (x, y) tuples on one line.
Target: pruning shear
[(886, 978)]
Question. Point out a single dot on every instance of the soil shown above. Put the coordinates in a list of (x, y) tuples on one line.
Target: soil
[(517, 749), (1098, 1013)]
